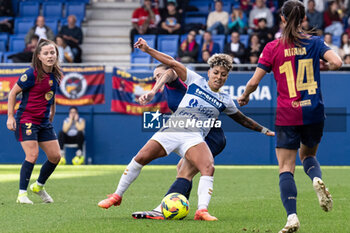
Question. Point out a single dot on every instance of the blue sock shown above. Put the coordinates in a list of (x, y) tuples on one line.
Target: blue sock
[(26, 172), (288, 192), (181, 185), (45, 171), (187, 195), (312, 167)]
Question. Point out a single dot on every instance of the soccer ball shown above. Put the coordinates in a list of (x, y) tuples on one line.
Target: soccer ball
[(78, 160), (175, 206)]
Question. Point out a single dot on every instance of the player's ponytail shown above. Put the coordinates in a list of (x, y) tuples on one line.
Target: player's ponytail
[(37, 65), (294, 13)]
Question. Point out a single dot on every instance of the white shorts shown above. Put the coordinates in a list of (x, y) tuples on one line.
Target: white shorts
[(178, 142)]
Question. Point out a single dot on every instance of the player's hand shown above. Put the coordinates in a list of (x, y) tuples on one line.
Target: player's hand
[(243, 100), (142, 45), (76, 117), (51, 118), (270, 133), (146, 98), (11, 123)]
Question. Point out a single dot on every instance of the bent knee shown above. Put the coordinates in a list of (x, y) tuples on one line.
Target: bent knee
[(207, 170)]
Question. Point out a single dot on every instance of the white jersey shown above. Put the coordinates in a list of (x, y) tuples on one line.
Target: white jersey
[(200, 107)]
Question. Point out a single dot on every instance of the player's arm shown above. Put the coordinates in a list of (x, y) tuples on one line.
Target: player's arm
[(179, 68), (251, 86), (11, 122), (52, 110), (249, 123), (168, 76), (333, 59)]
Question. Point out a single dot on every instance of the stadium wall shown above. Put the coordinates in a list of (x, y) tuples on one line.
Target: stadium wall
[(113, 138)]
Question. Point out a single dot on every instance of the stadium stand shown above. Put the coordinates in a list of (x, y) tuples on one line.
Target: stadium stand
[(168, 44), (150, 39), (52, 10), (29, 9), (3, 45), (53, 24), (140, 58), (243, 38), (22, 25), (221, 40), (16, 43), (75, 8)]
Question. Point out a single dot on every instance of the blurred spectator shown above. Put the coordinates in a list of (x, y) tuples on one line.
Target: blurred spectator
[(344, 48), (181, 5), (27, 54), (333, 19), (73, 36), (319, 5), (347, 61), (328, 38), (41, 30), (253, 59), (217, 20), (245, 5), (314, 17), (64, 51), (72, 132), (144, 21), (278, 34), (171, 19), (238, 21), (254, 45), (265, 34), (260, 11), (188, 50), (204, 59), (6, 25), (305, 25), (235, 48), (209, 45)]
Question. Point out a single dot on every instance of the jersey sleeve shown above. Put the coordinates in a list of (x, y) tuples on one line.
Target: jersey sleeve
[(265, 60), (323, 47), (27, 80), (191, 76), (231, 108)]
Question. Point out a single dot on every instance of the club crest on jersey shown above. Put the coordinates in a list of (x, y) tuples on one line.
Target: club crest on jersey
[(24, 78), (49, 95), (73, 85), (4, 89), (50, 83), (28, 132), (192, 103)]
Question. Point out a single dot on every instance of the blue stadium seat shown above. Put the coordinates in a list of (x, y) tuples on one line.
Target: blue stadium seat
[(75, 8), (4, 36), (243, 38), (202, 6), (62, 1), (3, 45), (168, 44), (0, 57), (221, 40), (29, 9), (63, 22), (16, 43), (139, 58), (53, 24), (52, 10), (22, 25), (150, 39), (6, 55), (85, 1), (198, 39), (196, 19)]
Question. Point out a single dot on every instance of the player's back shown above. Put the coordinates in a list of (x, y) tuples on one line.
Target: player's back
[(297, 73)]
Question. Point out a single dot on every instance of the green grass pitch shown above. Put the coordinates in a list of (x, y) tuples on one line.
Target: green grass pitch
[(245, 199)]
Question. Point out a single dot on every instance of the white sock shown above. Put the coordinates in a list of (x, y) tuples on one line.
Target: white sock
[(40, 184), (158, 209), (131, 172), (21, 191), (63, 153), (205, 189)]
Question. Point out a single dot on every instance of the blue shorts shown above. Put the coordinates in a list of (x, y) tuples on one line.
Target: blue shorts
[(40, 133), (216, 141), (289, 137)]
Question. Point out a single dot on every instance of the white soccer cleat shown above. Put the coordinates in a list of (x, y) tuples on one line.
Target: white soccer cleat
[(41, 192), (324, 197), (292, 225), (23, 199)]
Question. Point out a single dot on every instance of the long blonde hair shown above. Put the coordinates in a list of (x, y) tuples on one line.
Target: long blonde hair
[(38, 66)]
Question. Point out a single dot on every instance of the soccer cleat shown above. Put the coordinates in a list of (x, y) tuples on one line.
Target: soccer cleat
[(324, 197), (204, 215), (23, 199), (292, 225), (153, 214), (113, 199), (41, 192)]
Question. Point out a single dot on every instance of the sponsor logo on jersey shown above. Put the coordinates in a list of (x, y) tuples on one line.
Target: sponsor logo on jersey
[(197, 91), (24, 78), (73, 85), (49, 95)]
